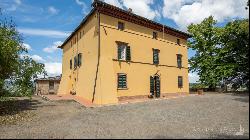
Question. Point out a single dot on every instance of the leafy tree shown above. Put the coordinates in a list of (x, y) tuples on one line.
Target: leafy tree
[(23, 80), (10, 49), (19, 71), (235, 51), (221, 52), (204, 41)]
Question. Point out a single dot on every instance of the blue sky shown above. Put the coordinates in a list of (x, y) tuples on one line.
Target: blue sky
[(45, 24)]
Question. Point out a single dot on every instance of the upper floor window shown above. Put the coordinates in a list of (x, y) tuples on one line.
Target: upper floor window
[(156, 56), (155, 35), (122, 81), (178, 41), (124, 52), (75, 62), (179, 60), (70, 63), (51, 85), (121, 26), (79, 59), (180, 82)]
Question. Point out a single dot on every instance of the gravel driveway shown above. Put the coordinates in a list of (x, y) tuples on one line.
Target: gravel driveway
[(208, 116)]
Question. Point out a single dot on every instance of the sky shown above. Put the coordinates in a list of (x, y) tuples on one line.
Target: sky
[(45, 24)]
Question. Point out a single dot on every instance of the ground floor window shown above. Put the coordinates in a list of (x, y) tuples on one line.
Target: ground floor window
[(122, 81), (180, 81)]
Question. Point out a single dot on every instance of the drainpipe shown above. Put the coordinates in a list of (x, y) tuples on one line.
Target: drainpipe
[(98, 61)]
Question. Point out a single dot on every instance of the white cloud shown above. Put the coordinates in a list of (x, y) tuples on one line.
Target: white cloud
[(139, 7), (83, 5), (42, 32), (193, 77), (18, 2), (34, 57), (13, 6), (53, 47), (37, 58), (53, 69), (116, 3), (26, 46), (142, 8), (185, 12), (52, 10)]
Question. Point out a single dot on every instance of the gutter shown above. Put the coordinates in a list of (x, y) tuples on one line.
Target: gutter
[(99, 54)]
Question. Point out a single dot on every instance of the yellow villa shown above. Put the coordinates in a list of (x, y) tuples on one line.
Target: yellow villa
[(115, 54)]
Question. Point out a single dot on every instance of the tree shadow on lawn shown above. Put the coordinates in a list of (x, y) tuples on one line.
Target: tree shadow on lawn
[(15, 106), (242, 97)]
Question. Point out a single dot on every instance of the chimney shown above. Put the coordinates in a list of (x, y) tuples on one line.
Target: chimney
[(130, 10)]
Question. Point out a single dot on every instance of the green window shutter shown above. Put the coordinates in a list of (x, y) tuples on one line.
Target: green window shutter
[(122, 81), (152, 85), (179, 60), (70, 63), (156, 56), (75, 61), (79, 59), (119, 53), (158, 86), (128, 57), (180, 81)]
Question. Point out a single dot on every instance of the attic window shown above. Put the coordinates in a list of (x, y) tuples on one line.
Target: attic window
[(178, 41), (154, 35), (120, 26)]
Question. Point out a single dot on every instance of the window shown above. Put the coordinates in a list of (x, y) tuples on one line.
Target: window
[(122, 81), (79, 59), (179, 60), (70, 63), (51, 85), (124, 52), (120, 26), (155, 35), (178, 42), (75, 62), (156, 56), (180, 81)]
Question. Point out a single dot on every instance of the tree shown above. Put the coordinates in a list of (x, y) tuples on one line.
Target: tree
[(235, 51), (204, 41), (221, 52), (19, 71)]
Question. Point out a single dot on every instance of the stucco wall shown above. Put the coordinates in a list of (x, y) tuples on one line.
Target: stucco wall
[(42, 87), (81, 79), (141, 43)]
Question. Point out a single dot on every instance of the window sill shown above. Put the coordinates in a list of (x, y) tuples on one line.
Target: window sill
[(122, 88), (122, 60)]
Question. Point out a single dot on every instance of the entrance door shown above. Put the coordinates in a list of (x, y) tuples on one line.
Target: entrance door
[(155, 86)]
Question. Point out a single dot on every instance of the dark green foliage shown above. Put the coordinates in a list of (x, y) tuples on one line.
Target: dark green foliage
[(221, 52), (17, 71)]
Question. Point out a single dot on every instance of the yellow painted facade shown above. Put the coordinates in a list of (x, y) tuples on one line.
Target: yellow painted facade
[(97, 82)]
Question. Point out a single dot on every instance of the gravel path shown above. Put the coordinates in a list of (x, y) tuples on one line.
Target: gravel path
[(208, 116)]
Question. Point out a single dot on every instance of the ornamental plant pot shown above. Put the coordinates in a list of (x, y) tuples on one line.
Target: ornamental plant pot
[(200, 91)]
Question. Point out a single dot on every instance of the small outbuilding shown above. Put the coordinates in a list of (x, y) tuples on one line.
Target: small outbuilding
[(47, 86)]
